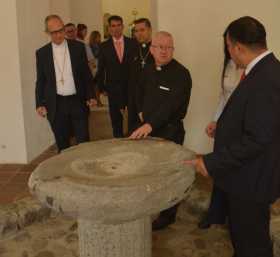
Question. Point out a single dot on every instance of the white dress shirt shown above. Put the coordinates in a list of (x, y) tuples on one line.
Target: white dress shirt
[(63, 71), (251, 65), (231, 80)]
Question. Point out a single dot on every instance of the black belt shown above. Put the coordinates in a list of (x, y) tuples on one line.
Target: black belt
[(66, 96)]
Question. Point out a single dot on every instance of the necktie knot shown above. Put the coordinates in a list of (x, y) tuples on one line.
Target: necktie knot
[(118, 45), (243, 75)]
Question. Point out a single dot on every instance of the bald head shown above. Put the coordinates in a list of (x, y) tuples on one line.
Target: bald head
[(162, 36), (162, 47), (55, 28)]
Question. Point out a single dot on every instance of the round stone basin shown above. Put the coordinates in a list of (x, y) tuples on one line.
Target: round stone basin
[(114, 181)]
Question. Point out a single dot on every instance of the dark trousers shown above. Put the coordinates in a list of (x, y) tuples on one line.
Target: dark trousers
[(115, 115), (217, 211), (71, 117), (249, 227), (133, 118), (173, 132)]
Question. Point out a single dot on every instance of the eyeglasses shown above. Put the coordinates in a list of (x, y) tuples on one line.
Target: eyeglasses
[(70, 30), (167, 48), (56, 31)]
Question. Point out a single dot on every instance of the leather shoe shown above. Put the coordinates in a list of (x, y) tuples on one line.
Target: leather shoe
[(204, 224), (162, 222)]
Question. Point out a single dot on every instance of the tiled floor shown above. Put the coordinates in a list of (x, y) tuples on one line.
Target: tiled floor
[(14, 178)]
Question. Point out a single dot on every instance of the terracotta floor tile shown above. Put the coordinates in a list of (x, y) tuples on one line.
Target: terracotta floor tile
[(14, 177), (42, 158), (10, 192), (52, 148), (28, 167), (11, 187), (6, 176), (20, 178), (21, 195), (6, 198), (11, 167)]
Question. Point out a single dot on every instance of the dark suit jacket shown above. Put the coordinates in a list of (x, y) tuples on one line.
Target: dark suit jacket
[(245, 161), (46, 80), (112, 76)]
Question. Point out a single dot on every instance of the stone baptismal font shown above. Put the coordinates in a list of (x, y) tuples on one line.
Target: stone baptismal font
[(113, 187)]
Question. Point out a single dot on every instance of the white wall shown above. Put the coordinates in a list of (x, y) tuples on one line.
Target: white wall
[(31, 35), (61, 8), (197, 26), (12, 139), (125, 8), (88, 12), (23, 135)]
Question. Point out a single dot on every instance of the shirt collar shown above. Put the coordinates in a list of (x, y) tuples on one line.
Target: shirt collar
[(145, 45), (251, 65), (59, 46), (163, 66), (118, 40)]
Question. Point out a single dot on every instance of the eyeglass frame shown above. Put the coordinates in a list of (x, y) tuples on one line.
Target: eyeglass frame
[(168, 48), (57, 31)]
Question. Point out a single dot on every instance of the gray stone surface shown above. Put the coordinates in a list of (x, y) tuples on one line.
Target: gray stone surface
[(114, 181), (182, 239), (113, 187), (14, 217), (130, 239)]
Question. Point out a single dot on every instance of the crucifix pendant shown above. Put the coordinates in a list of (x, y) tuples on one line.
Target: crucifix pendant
[(62, 81), (143, 63)]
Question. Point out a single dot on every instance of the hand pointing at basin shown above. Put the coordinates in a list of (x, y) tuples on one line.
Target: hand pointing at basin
[(199, 165)]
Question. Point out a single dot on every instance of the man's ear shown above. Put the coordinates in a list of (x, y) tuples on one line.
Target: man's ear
[(151, 50), (241, 48)]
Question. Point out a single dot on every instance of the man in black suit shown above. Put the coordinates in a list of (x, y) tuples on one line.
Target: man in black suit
[(142, 57), (113, 71), (64, 85), (245, 163)]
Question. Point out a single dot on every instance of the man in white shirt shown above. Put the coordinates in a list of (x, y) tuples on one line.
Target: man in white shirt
[(64, 85)]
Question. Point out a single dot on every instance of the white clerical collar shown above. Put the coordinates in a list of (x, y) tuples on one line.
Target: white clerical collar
[(251, 65), (118, 39), (62, 45)]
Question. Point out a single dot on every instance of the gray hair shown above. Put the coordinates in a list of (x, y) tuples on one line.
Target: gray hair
[(51, 17)]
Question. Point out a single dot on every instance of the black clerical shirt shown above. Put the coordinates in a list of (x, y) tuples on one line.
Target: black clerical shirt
[(141, 59), (163, 94)]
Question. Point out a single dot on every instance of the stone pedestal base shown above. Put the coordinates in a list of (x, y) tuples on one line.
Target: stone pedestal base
[(132, 239)]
